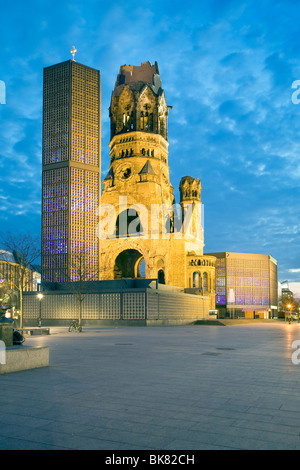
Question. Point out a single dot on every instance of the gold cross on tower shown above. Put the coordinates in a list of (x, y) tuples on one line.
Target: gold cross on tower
[(73, 51)]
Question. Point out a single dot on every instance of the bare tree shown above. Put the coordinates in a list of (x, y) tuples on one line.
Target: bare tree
[(81, 272), (26, 250), (5, 293)]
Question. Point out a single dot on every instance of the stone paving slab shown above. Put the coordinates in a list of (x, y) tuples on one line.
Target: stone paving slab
[(157, 388)]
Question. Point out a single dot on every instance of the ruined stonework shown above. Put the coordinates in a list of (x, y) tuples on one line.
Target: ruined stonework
[(150, 236)]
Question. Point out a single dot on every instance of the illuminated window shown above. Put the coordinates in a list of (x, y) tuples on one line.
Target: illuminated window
[(205, 282), (196, 280)]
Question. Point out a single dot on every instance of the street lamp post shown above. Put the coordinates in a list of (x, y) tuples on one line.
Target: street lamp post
[(290, 308), (40, 297)]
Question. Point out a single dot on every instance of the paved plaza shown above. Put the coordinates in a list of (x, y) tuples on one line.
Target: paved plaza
[(157, 388)]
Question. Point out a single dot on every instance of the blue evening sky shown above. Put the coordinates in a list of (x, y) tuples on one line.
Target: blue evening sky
[(227, 68)]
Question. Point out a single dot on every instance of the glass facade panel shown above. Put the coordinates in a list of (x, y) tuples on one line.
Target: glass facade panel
[(252, 281), (220, 281)]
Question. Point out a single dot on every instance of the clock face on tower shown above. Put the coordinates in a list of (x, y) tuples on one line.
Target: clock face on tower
[(124, 172)]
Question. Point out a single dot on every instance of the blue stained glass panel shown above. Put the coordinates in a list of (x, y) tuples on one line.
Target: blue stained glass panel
[(220, 300)]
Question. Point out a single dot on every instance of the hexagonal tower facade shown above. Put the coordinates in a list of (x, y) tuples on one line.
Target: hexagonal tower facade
[(139, 145)]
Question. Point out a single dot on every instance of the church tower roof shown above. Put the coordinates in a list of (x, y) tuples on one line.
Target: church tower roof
[(136, 76), (147, 169)]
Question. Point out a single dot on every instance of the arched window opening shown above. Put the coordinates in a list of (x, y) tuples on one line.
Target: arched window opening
[(128, 224), (196, 280), (205, 282), (161, 276), (146, 120), (127, 119)]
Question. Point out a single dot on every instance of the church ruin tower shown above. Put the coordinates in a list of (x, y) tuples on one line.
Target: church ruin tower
[(191, 208), (138, 237), (138, 101), (190, 190), (139, 126)]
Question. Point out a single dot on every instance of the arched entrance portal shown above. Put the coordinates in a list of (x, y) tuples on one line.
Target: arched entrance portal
[(129, 263)]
